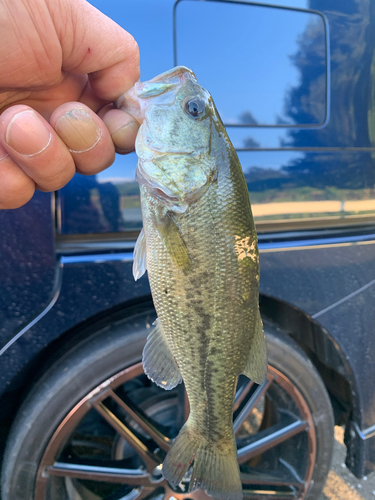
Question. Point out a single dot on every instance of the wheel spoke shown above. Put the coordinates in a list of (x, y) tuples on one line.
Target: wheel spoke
[(271, 438), (254, 494), (106, 474), (268, 479), (135, 494), (241, 394), (250, 405), (77, 491), (142, 420), (150, 458)]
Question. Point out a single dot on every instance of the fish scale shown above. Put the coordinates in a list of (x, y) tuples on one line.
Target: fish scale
[(202, 261)]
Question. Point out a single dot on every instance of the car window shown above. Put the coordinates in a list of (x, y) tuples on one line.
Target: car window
[(252, 59)]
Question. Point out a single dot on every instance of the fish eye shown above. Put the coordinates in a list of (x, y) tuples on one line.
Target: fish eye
[(195, 107)]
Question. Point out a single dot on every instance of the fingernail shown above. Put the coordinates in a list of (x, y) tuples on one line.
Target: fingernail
[(27, 134), (124, 137), (78, 130), (3, 153)]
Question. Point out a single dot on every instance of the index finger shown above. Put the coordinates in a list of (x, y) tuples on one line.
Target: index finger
[(94, 44)]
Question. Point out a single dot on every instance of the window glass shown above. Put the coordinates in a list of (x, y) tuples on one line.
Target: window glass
[(253, 59)]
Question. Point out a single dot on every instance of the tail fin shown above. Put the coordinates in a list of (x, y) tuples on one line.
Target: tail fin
[(215, 467)]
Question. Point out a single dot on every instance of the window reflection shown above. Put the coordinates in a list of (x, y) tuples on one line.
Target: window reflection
[(104, 203), (253, 59), (293, 185)]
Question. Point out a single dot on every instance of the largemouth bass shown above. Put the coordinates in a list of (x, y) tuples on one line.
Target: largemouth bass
[(199, 246)]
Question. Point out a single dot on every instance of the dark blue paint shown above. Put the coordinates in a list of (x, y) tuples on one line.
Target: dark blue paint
[(287, 156), (27, 264), (86, 289)]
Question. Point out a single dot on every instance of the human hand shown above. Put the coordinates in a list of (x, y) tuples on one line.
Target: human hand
[(61, 64)]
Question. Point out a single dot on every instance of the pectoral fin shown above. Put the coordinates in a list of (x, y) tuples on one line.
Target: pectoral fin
[(174, 242), (139, 262), (158, 360), (256, 365)]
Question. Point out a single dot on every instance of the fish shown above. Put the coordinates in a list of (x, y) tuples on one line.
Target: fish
[(199, 247)]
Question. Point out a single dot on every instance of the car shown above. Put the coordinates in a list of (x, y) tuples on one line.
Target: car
[(293, 81)]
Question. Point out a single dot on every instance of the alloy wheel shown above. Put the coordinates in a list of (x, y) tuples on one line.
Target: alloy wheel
[(112, 443)]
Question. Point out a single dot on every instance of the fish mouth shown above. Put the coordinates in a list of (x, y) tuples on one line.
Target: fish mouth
[(135, 100)]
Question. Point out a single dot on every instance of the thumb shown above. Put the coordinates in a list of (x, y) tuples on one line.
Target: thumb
[(94, 44)]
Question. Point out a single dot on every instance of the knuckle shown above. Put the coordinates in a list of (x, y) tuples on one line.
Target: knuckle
[(62, 173), (134, 55), (129, 55), (94, 167), (133, 47)]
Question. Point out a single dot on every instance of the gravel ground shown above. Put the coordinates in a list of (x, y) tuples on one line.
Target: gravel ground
[(341, 483)]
